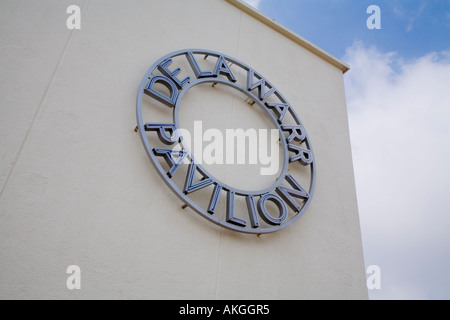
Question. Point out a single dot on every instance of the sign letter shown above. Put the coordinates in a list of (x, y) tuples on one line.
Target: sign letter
[(297, 192), (194, 65), (223, 69), (163, 67), (260, 84), (303, 155), (230, 211), (169, 84), (278, 202), (162, 128), (168, 156)]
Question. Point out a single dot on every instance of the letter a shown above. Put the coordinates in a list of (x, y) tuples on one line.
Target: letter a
[(74, 280), (374, 279), (374, 21), (74, 21)]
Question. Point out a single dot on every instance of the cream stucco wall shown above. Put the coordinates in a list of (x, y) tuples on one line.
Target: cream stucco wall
[(78, 188)]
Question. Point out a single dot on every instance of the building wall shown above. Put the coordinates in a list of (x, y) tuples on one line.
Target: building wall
[(78, 188)]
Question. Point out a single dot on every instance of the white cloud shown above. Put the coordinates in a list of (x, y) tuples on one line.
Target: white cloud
[(399, 113), (254, 3), (411, 16)]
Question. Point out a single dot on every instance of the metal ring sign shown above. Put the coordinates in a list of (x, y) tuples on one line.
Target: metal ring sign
[(286, 194)]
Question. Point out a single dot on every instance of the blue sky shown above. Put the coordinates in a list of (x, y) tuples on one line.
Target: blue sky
[(412, 27), (398, 102)]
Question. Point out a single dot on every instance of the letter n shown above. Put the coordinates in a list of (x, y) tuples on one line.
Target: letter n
[(287, 194)]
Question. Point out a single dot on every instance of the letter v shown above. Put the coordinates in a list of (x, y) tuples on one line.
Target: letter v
[(189, 185)]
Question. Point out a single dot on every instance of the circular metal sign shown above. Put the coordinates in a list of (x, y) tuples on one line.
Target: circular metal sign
[(266, 210)]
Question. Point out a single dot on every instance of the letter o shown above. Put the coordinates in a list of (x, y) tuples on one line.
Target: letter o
[(278, 202)]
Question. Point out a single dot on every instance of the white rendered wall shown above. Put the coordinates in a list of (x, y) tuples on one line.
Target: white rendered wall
[(78, 188)]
